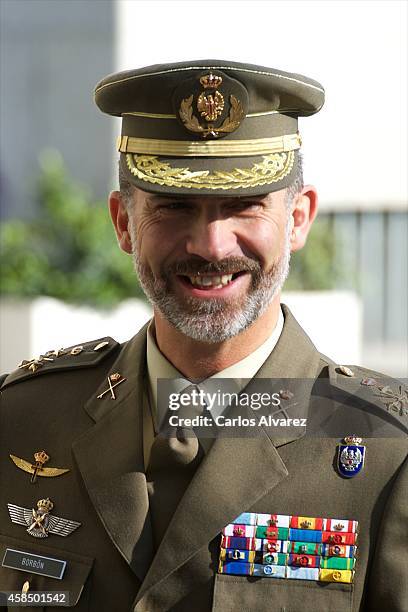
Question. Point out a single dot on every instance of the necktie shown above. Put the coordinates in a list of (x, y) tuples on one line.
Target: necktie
[(174, 458)]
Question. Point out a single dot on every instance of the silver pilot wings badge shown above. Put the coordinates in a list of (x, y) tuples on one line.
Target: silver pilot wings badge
[(40, 523)]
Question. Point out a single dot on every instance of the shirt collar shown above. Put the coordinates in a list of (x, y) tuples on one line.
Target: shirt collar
[(238, 374)]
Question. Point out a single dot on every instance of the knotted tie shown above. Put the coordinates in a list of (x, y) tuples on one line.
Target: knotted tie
[(174, 458)]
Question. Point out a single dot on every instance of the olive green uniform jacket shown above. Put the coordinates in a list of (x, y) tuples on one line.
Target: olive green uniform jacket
[(111, 564)]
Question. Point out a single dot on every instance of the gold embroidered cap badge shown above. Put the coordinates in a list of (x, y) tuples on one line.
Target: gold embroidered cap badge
[(201, 114)]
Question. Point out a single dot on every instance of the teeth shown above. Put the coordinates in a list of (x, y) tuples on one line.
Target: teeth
[(217, 282)]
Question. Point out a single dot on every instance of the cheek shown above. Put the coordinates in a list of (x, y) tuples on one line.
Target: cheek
[(155, 241), (265, 240)]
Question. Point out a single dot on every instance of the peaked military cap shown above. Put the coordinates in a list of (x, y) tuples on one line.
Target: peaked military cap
[(209, 126)]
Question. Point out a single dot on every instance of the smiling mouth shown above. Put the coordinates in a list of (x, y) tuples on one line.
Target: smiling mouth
[(217, 281)]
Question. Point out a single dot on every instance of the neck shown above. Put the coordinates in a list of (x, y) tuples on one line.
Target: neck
[(199, 360)]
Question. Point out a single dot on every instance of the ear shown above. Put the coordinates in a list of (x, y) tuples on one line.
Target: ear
[(120, 220), (303, 214)]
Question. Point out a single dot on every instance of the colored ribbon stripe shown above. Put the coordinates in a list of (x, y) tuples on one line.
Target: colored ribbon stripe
[(239, 543), (272, 520), (302, 573), (247, 531), (336, 550), (238, 556), (269, 571), (305, 548), (340, 525), (329, 537), (252, 556), (306, 522), (236, 568), (305, 535), (274, 546), (328, 575), (278, 571), (274, 559), (272, 533), (337, 563), (246, 518), (304, 560)]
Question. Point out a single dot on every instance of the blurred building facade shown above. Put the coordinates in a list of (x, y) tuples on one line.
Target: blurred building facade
[(373, 248), (52, 54)]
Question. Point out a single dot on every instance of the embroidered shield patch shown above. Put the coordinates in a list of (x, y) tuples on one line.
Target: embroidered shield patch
[(350, 457)]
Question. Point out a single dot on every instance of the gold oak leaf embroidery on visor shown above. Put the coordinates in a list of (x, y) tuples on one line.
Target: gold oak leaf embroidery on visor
[(271, 169)]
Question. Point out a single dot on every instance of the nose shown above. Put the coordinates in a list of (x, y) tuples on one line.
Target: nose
[(212, 240)]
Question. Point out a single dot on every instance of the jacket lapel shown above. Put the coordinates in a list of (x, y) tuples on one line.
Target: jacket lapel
[(294, 364), (236, 472), (229, 480), (110, 458)]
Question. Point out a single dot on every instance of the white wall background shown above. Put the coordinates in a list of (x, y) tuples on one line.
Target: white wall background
[(356, 147), (46, 323)]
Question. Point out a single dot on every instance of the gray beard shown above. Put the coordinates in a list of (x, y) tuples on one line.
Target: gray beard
[(214, 320)]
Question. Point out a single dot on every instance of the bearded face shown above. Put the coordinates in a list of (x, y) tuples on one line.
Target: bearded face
[(211, 268)]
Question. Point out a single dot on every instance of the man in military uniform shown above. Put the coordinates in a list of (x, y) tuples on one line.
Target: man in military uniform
[(107, 499)]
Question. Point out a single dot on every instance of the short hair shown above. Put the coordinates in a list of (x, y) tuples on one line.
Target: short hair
[(298, 183), (125, 187)]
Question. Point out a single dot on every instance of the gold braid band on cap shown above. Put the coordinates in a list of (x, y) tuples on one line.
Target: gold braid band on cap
[(219, 148), (271, 169)]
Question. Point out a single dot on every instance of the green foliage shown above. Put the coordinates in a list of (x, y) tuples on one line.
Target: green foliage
[(69, 250), (316, 267)]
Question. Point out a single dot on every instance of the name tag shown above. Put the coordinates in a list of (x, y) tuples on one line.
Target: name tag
[(36, 564)]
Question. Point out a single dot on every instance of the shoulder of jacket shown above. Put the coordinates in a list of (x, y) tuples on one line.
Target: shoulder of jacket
[(84, 355), (359, 385)]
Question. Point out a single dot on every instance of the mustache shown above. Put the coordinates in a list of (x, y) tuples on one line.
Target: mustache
[(229, 265)]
